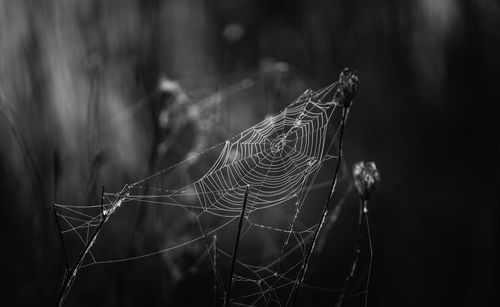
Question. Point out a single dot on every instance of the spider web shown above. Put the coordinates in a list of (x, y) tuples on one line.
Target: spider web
[(276, 162)]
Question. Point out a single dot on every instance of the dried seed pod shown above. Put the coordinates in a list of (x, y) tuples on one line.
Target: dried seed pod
[(347, 87), (365, 176)]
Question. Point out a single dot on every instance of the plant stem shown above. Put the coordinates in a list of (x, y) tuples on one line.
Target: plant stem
[(102, 202), (71, 276), (61, 238), (303, 270), (371, 250), (215, 269), (332, 219), (354, 261), (235, 250)]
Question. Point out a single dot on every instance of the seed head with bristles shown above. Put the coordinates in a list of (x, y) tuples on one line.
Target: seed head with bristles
[(365, 176)]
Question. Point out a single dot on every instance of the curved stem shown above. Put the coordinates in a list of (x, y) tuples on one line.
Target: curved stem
[(303, 270)]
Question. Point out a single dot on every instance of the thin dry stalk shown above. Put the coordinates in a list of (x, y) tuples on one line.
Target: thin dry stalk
[(235, 250), (71, 276)]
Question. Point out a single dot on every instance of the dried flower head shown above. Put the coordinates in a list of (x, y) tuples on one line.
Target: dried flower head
[(347, 87), (366, 177)]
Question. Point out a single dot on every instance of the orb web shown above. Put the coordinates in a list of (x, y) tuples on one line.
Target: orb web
[(278, 160)]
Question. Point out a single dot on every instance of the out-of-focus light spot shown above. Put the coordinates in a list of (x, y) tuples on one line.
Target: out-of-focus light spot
[(440, 15), (190, 195), (193, 112), (182, 98), (269, 118), (192, 156), (214, 99), (162, 149), (168, 86), (271, 66), (163, 119), (233, 32), (282, 67), (434, 24)]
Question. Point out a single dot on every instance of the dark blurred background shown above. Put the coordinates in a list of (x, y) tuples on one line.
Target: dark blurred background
[(83, 90)]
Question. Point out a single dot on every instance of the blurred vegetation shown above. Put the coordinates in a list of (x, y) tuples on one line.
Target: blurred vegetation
[(104, 92)]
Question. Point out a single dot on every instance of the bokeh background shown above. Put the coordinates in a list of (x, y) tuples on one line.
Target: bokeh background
[(102, 93)]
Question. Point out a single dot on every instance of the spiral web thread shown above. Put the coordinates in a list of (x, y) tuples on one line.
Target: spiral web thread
[(278, 160)]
